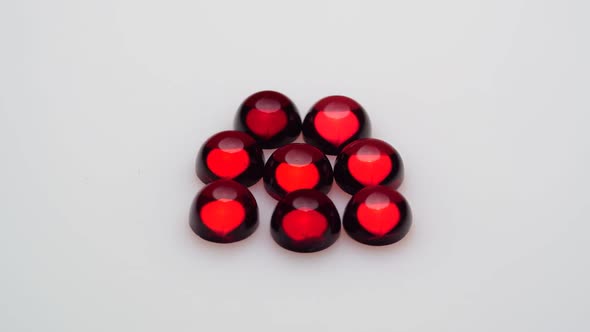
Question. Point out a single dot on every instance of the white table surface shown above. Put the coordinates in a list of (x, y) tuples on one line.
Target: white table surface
[(103, 105)]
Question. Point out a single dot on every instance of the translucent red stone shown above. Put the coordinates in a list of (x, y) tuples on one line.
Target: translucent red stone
[(334, 122), (270, 118), (230, 155), (368, 162), (297, 166), (377, 216), (305, 221), (224, 211)]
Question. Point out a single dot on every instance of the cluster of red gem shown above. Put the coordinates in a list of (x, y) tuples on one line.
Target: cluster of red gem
[(299, 175)]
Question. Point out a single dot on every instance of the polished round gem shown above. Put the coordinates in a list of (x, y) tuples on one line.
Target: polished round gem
[(270, 118), (377, 216), (297, 166), (305, 221), (334, 122), (224, 211), (230, 155), (368, 162)]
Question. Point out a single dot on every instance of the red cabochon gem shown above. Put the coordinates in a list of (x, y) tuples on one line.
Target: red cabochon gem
[(377, 215), (333, 122), (270, 118), (297, 166), (224, 211), (336, 123), (369, 165), (368, 162), (230, 155), (305, 221)]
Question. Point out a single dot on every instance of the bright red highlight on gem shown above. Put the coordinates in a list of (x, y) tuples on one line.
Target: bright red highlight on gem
[(223, 216), (378, 214), (270, 117), (228, 164), (294, 177), (228, 159), (368, 162), (297, 166), (369, 165), (334, 122), (302, 225)]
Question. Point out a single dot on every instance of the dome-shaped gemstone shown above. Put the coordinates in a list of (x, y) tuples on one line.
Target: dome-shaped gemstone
[(334, 122), (368, 162), (377, 216), (297, 166), (305, 221), (224, 211), (230, 155), (270, 118)]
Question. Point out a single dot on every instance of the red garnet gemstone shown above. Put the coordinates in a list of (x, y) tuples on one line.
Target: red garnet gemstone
[(224, 211), (297, 166), (305, 221), (368, 162), (270, 117), (334, 122), (230, 155), (377, 216)]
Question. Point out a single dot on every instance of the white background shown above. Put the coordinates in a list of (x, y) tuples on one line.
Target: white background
[(104, 104)]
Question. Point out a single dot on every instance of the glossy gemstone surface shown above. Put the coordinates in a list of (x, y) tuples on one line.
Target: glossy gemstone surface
[(224, 211), (368, 162), (230, 155), (270, 118), (334, 122), (305, 221), (297, 166), (377, 216)]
